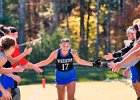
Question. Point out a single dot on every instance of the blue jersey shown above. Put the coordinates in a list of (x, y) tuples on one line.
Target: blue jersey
[(65, 72), (64, 63)]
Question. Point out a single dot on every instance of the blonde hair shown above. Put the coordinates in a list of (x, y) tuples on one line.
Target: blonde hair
[(136, 21), (65, 40)]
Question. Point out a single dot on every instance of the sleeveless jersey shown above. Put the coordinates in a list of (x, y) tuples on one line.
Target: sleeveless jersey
[(64, 63)]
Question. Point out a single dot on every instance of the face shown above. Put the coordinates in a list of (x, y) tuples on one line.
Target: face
[(14, 35), (65, 46), (130, 35)]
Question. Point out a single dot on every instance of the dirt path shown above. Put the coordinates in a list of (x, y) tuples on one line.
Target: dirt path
[(84, 91)]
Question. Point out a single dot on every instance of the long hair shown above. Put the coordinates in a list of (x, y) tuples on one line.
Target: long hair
[(137, 31)]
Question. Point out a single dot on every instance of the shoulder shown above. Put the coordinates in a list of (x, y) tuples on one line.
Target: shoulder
[(54, 53), (2, 55)]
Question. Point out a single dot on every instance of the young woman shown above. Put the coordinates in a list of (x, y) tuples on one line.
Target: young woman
[(135, 69), (7, 45), (7, 81), (65, 71), (11, 84)]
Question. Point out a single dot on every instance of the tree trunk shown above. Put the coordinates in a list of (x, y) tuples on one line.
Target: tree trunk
[(82, 30), (56, 12), (97, 35), (21, 23), (1, 11), (108, 32), (87, 35)]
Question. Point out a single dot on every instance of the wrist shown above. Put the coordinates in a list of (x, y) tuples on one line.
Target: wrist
[(24, 54)]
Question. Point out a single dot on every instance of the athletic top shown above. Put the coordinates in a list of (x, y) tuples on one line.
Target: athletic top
[(64, 63), (2, 55), (135, 62), (124, 50), (16, 53)]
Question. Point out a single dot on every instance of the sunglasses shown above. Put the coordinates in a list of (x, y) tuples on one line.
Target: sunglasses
[(13, 30), (65, 41)]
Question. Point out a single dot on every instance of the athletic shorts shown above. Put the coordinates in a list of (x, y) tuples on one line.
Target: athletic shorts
[(65, 77), (7, 82), (135, 76)]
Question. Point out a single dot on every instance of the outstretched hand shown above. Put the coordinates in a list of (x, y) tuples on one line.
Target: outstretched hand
[(27, 51), (126, 72), (115, 66), (109, 56), (38, 70), (7, 94), (19, 69)]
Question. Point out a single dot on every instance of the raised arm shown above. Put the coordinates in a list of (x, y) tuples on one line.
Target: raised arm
[(119, 53), (16, 59), (79, 60), (48, 60), (133, 55), (133, 49)]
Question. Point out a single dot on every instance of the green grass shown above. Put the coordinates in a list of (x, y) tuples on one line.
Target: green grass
[(83, 74)]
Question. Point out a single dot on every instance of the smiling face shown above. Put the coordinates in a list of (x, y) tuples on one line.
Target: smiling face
[(130, 35), (65, 44)]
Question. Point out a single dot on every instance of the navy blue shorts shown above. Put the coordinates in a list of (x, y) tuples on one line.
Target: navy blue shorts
[(65, 77), (135, 76), (7, 82)]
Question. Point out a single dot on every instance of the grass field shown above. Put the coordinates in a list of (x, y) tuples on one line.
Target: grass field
[(83, 74)]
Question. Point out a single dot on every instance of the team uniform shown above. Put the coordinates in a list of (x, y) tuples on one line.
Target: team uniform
[(65, 71), (2, 76), (135, 64), (8, 82)]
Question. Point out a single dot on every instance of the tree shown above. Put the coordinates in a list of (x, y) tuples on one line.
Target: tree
[(82, 29), (1, 11), (21, 23)]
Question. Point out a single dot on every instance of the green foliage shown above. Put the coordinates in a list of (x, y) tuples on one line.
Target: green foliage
[(48, 43), (10, 13)]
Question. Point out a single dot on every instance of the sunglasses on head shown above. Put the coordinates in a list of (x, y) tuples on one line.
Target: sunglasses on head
[(65, 41), (13, 30)]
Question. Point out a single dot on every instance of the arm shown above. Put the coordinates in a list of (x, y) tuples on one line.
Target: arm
[(8, 70), (16, 59), (31, 66), (119, 53), (131, 50), (79, 60), (6, 93), (48, 60), (133, 55), (15, 77)]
